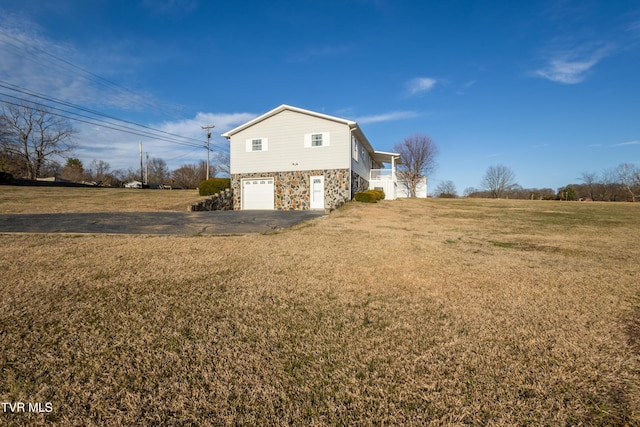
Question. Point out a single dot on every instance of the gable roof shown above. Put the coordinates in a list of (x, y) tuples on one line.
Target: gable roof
[(284, 107)]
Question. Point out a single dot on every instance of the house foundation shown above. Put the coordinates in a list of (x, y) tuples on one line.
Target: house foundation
[(292, 189)]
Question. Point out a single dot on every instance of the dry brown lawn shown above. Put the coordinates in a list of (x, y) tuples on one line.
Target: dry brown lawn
[(17, 199), (413, 312)]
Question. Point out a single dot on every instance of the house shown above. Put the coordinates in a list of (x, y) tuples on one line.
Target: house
[(290, 158)]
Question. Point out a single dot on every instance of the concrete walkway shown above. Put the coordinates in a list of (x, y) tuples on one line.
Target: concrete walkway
[(190, 223)]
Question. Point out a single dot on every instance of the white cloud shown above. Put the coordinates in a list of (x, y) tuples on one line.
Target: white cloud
[(572, 67), (624, 144), (386, 117), (193, 127), (562, 71), (421, 84), (121, 150), (33, 62), (463, 89), (468, 84)]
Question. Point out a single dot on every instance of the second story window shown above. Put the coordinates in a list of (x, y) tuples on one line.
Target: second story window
[(316, 140), (257, 144)]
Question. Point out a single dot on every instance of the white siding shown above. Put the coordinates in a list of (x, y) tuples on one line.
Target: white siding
[(363, 165), (285, 132)]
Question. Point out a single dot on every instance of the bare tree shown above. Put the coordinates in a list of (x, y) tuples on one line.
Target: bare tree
[(629, 176), (158, 171), (606, 188), (99, 169), (33, 136), (590, 179), (418, 154), (446, 189), (190, 176), (498, 180), (222, 165), (469, 191), (122, 176)]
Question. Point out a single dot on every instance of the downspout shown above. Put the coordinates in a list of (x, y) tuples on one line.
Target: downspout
[(394, 180), (350, 148)]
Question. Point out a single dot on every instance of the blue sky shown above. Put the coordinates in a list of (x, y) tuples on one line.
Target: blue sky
[(548, 88)]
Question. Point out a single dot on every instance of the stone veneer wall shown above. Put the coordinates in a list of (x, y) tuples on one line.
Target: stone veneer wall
[(222, 201), (292, 188), (358, 184)]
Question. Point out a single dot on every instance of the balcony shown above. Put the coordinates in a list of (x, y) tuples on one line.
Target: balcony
[(382, 174)]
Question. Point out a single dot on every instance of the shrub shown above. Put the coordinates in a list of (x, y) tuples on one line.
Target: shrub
[(213, 186), (379, 193), (366, 197), (369, 196), (6, 177)]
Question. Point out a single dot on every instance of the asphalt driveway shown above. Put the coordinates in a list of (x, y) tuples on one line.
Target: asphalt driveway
[(214, 222)]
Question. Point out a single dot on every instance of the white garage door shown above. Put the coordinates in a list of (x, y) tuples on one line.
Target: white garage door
[(257, 194)]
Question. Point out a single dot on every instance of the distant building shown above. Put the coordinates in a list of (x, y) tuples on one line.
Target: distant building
[(133, 184)]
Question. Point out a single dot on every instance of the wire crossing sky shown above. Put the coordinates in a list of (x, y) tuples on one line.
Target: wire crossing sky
[(548, 88)]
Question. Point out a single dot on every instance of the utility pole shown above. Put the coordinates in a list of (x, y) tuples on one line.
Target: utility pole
[(208, 129), (141, 170)]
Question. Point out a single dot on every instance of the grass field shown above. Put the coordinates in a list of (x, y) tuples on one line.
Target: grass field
[(16, 199), (412, 312)]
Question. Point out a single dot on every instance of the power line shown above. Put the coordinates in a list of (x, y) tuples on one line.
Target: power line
[(18, 89), (171, 137), (121, 128), (106, 125), (74, 68), (147, 135), (145, 131)]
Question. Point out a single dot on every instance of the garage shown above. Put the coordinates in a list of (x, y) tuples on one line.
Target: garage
[(257, 194)]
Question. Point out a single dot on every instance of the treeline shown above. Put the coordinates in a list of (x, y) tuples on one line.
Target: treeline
[(517, 192), (620, 184), (155, 173), (33, 141), (605, 192)]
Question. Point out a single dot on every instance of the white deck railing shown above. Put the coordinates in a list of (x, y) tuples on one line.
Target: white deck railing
[(385, 179), (382, 174)]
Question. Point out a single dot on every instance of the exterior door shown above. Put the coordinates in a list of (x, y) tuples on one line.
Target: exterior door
[(317, 192), (257, 194)]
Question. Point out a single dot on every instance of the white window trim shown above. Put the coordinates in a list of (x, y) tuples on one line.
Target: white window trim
[(325, 139), (354, 148), (264, 145)]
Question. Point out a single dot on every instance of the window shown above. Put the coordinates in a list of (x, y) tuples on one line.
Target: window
[(354, 148), (256, 144), (319, 139), (316, 140)]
